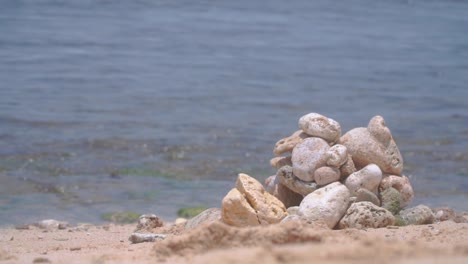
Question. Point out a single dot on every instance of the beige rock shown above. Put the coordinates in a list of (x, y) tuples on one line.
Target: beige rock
[(337, 156), (250, 204), (278, 162), (288, 143), (270, 184), (348, 167), (286, 177), (327, 204), (374, 144), (368, 177), (236, 210), (366, 215), (401, 184), (317, 125), (326, 175), (308, 156), (444, 214), (208, 216)]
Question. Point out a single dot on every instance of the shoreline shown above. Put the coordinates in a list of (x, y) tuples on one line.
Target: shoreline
[(293, 242)]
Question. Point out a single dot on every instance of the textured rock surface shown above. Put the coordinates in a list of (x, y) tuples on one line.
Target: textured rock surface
[(444, 214), (364, 195), (419, 215), (374, 144), (401, 184), (390, 199), (208, 216), (148, 222), (237, 211), (288, 143), (249, 204), (348, 167), (327, 204), (368, 177), (278, 162), (317, 125), (364, 215), (337, 155), (326, 175), (268, 208), (286, 177), (286, 196), (308, 156)]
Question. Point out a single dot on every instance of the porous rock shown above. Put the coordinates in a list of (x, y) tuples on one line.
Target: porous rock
[(390, 199), (444, 214), (208, 216), (308, 156), (278, 162), (249, 204), (364, 195), (401, 184), (288, 143), (337, 155), (374, 144), (366, 215), (236, 210), (327, 204), (419, 215), (148, 222), (317, 125), (286, 177), (368, 177), (326, 175)]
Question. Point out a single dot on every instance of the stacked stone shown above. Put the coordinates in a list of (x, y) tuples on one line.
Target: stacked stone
[(354, 180)]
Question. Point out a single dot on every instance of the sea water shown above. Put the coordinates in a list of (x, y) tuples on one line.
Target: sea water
[(149, 106)]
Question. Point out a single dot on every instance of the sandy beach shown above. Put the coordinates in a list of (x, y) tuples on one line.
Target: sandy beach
[(291, 242)]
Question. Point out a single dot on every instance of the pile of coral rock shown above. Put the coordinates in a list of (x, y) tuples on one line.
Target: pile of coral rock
[(354, 180)]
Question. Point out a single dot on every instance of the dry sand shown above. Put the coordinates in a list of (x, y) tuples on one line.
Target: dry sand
[(292, 242)]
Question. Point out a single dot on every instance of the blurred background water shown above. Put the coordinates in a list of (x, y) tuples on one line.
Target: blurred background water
[(152, 105)]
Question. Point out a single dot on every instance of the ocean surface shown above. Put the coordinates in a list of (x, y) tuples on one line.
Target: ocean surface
[(150, 106)]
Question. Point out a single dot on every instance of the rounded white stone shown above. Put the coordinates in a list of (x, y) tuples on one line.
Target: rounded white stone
[(326, 175), (308, 156), (317, 125), (327, 204), (337, 155), (368, 178)]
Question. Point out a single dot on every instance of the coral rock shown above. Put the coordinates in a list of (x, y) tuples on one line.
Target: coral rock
[(337, 156), (374, 144), (401, 184), (390, 199), (327, 204), (368, 177), (237, 211), (348, 167), (419, 215), (444, 214), (287, 144), (308, 156), (364, 195), (278, 162), (364, 215), (208, 216), (317, 125), (326, 175), (286, 177), (250, 204)]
